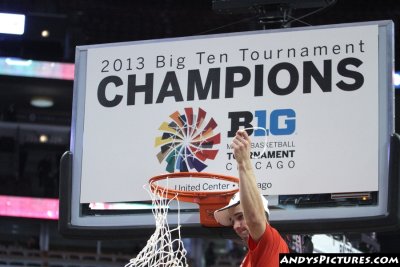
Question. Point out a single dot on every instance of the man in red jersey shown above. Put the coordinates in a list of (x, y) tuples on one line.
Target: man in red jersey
[(247, 210)]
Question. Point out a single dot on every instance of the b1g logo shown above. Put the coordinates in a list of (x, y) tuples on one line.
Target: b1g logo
[(276, 122), (187, 141)]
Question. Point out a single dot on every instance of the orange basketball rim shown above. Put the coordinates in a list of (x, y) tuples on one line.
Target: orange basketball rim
[(208, 201)]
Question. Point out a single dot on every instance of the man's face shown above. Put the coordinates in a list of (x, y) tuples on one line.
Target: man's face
[(238, 222)]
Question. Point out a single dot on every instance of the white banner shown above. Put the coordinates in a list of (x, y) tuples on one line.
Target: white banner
[(174, 105)]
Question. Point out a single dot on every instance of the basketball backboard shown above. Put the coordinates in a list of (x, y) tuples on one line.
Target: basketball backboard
[(326, 159)]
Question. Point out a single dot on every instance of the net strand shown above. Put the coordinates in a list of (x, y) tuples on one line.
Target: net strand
[(265, 140), (161, 249)]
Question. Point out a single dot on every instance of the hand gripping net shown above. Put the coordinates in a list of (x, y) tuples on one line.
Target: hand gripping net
[(161, 249)]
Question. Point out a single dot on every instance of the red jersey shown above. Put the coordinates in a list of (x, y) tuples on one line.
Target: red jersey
[(265, 252)]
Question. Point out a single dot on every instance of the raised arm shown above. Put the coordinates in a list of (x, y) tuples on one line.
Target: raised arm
[(250, 198)]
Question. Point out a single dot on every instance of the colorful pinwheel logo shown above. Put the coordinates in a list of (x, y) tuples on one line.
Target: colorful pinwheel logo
[(187, 141)]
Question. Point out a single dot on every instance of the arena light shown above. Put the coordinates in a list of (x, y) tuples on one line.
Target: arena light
[(42, 102), (38, 69), (12, 23), (45, 33), (29, 207), (43, 138), (396, 80), (18, 62)]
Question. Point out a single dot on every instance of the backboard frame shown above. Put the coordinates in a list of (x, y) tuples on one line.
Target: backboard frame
[(73, 224)]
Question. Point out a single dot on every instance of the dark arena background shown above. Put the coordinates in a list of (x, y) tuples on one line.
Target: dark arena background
[(32, 138)]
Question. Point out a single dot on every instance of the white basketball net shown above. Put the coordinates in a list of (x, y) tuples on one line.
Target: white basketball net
[(161, 249)]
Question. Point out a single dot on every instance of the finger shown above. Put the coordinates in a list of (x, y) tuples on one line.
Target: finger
[(243, 134), (246, 136), (236, 142), (240, 132), (239, 140)]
